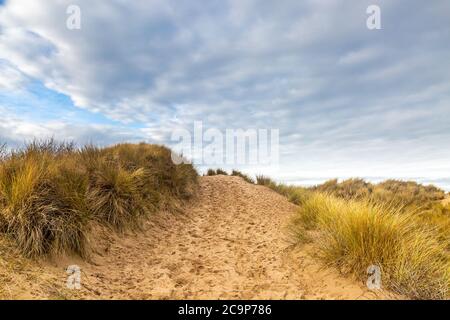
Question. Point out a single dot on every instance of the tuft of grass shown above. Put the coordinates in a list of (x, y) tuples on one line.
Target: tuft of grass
[(409, 194), (352, 235), (403, 227), (212, 172), (115, 195), (42, 200), (50, 192), (263, 180), (348, 189), (243, 176), (221, 172), (294, 194)]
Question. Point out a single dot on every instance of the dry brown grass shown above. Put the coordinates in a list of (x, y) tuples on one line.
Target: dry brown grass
[(244, 176), (352, 235), (50, 192), (403, 227), (402, 193)]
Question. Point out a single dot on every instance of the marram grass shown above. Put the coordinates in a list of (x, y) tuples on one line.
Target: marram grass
[(50, 193), (352, 235)]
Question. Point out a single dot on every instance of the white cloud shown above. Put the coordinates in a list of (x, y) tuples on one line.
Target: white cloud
[(11, 79), (309, 68), (15, 130), (360, 56)]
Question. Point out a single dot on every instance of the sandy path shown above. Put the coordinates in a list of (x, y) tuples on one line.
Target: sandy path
[(230, 244)]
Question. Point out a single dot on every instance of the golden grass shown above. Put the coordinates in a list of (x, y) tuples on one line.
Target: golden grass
[(264, 180), (295, 194), (50, 192), (409, 194), (403, 227), (244, 176), (236, 173), (214, 172), (352, 235)]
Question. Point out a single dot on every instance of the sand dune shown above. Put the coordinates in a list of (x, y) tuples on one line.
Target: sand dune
[(230, 243)]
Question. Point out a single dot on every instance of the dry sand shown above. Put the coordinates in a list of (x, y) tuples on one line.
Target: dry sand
[(230, 243)]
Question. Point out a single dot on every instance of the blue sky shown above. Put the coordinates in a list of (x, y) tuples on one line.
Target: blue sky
[(348, 101)]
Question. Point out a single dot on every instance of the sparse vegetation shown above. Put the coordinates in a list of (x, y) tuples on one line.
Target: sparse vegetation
[(221, 172), (403, 193), (295, 194), (243, 176), (403, 227), (348, 189), (264, 180), (353, 235), (50, 192), (212, 172)]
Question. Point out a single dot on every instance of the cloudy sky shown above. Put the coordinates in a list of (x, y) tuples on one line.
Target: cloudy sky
[(348, 101)]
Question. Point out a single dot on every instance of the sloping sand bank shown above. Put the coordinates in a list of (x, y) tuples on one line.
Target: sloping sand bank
[(231, 243)]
